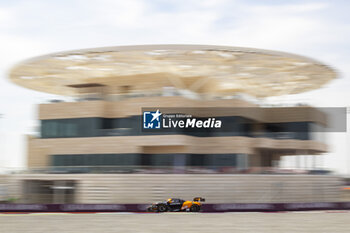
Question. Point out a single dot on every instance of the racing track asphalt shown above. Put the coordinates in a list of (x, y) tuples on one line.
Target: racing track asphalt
[(321, 221)]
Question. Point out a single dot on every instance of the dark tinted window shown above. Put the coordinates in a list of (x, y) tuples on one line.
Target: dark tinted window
[(156, 160), (288, 130), (77, 127)]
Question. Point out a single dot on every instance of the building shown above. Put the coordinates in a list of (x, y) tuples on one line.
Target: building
[(93, 149)]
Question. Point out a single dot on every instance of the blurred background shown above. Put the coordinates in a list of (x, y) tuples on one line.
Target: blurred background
[(34, 172)]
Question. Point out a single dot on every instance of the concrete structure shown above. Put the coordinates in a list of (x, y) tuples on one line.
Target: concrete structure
[(205, 70), (138, 142), (100, 132), (145, 188)]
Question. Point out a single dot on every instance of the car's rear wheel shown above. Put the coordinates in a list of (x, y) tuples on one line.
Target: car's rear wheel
[(195, 208), (162, 208)]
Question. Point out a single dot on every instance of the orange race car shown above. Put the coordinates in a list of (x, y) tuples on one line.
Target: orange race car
[(176, 205)]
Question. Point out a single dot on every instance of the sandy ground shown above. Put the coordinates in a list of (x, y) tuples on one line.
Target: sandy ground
[(293, 222)]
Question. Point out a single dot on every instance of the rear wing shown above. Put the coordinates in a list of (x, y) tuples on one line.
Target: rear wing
[(199, 199)]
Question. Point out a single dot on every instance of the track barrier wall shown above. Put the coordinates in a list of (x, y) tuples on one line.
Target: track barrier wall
[(209, 208)]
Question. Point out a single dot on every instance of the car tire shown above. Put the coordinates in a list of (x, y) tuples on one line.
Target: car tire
[(162, 208), (195, 208)]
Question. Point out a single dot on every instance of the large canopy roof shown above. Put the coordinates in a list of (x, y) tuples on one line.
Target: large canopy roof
[(202, 69)]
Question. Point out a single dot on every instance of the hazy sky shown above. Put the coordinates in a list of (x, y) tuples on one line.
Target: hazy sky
[(318, 29)]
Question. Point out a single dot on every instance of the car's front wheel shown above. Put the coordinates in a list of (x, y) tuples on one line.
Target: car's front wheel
[(162, 208), (195, 208)]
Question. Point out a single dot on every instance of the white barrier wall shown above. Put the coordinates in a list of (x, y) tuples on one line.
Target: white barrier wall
[(216, 188)]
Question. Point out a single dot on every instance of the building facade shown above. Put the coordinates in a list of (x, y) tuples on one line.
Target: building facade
[(99, 133), (103, 133)]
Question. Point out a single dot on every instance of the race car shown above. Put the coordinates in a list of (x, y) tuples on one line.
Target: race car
[(176, 205)]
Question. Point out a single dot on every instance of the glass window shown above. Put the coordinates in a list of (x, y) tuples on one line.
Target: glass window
[(196, 160), (209, 160), (57, 160), (288, 130), (90, 160), (107, 123), (162, 160), (220, 160), (131, 159), (49, 128), (145, 159), (78, 127)]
